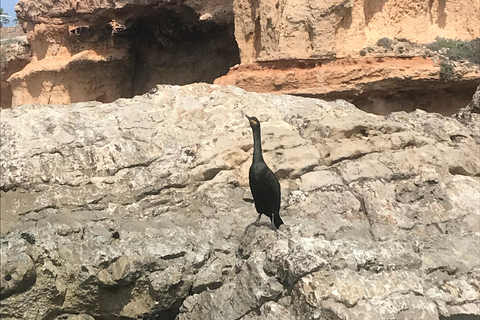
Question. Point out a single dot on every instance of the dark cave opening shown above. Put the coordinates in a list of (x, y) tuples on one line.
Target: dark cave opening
[(443, 98), (459, 317), (172, 46)]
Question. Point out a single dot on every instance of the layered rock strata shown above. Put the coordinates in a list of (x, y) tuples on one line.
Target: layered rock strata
[(317, 49), (375, 84)]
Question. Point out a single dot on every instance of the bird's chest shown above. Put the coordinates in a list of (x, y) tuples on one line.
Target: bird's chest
[(257, 172), (258, 178)]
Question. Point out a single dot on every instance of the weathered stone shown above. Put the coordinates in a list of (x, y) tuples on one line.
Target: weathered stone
[(270, 311), (18, 274), (108, 40), (313, 181), (470, 115), (15, 54), (357, 50), (138, 208), (273, 31)]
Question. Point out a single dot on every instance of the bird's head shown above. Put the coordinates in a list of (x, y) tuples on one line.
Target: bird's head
[(254, 122)]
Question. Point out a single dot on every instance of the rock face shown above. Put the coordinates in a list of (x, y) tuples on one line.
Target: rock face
[(470, 115), (103, 50), (84, 50), (375, 84), (317, 49), (273, 30), (137, 209), (15, 55)]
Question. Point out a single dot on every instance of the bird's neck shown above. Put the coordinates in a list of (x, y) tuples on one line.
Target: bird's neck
[(257, 146)]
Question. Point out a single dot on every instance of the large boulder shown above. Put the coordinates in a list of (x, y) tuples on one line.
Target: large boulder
[(138, 208)]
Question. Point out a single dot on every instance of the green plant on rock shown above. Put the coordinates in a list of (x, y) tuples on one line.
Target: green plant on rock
[(384, 42), (446, 71), (458, 49)]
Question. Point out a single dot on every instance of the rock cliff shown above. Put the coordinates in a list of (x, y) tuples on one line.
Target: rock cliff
[(103, 50), (15, 55), (327, 49), (137, 209), (284, 30)]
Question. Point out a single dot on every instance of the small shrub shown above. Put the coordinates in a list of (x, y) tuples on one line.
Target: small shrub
[(384, 42), (446, 71), (458, 49), (363, 52), (369, 49)]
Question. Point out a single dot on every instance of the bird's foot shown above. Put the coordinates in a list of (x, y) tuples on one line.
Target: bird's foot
[(273, 227), (260, 224)]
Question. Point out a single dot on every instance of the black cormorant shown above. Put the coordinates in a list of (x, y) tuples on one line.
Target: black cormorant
[(263, 183)]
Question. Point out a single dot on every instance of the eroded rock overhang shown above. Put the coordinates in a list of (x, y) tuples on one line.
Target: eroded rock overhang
[(107, 50), (329, 49), (374, 84)]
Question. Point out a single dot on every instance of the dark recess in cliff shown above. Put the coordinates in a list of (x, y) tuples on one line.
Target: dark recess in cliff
[(430, 96), (172, 46), (122, 53)]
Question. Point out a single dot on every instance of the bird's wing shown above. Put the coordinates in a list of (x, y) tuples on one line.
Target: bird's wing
[(265, 189), (274, 185), (272, 180)]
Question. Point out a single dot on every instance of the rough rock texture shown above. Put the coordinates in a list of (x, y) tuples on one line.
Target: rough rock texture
[(470, 115), (44, 10), (375, 84), (315, 48), (273, 30), (15, 54), (103, 50), (137, 209)]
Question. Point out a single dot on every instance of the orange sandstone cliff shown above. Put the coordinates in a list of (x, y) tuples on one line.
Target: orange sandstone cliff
[(270, 30), (314, 48), (102, 50)]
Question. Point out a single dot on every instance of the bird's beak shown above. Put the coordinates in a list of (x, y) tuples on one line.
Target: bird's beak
[(251, 120)]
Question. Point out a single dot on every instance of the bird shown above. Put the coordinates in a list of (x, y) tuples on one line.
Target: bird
[(263, 183)]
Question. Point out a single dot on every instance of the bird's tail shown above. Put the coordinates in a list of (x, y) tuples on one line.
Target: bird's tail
[(277, 220)]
